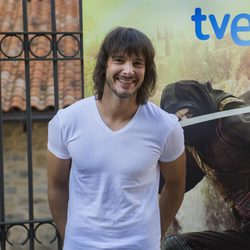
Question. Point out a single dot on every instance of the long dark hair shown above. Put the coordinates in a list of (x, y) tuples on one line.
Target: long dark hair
[(126, 40)]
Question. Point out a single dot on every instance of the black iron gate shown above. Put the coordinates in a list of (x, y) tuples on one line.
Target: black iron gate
[(27, 55)]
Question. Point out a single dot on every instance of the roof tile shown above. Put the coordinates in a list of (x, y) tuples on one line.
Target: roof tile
[(13, 83)]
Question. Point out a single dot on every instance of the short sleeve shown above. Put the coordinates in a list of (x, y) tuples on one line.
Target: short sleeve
[(56, 143), (174, 145)]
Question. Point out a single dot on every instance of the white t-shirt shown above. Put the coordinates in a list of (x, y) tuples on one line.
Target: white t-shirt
[(114, 177)]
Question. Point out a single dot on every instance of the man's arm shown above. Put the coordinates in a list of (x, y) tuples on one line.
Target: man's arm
[(172, 194), (58, 194)]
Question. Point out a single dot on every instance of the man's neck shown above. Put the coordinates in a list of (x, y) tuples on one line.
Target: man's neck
[(117, 112)]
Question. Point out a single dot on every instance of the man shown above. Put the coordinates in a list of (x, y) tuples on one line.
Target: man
[(220, 149), (105, 153)]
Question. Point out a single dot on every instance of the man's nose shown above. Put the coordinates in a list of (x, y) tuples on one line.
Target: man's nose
[(128, 68)]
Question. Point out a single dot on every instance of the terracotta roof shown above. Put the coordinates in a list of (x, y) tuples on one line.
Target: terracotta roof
[(41, 72)]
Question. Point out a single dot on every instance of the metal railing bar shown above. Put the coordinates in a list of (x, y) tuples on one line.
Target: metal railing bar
[(29, 125), (21, 222), (54, 50), (41, 33), (41, 59), (81, 47), (2, 197)]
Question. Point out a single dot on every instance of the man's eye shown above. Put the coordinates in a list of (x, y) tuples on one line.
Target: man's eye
[(139, 64), (117, 60)]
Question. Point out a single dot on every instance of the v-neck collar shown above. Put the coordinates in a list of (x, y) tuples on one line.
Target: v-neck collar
[(107, 128)]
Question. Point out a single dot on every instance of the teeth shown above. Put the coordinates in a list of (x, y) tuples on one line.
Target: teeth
[(126, 81)]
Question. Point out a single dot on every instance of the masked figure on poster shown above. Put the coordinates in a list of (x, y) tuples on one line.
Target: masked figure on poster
[(218, 149)]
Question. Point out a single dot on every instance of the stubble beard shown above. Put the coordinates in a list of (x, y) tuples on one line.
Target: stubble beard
[(122, 95)]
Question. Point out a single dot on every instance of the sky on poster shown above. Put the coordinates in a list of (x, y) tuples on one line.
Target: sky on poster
[(146, 15)]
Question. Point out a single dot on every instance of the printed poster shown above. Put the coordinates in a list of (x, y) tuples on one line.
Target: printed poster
[(204, 42)]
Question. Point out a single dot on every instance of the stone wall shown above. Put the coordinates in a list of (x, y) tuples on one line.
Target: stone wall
[(16, 182)]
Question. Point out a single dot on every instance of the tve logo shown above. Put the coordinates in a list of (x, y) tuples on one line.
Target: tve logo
[(219, 29)]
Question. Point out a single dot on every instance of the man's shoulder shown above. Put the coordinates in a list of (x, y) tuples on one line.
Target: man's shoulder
[(159, 114), (78, 106), (78, 110), (80, 103)]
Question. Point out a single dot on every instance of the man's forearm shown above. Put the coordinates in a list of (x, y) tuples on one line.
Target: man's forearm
[(58, 202), (170, 201)]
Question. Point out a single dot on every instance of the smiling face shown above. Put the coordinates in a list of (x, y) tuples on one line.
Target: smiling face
[(125, 74)]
